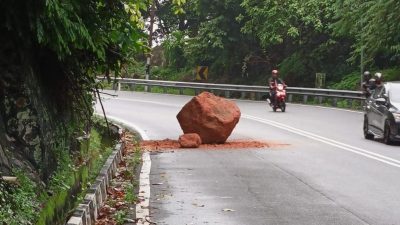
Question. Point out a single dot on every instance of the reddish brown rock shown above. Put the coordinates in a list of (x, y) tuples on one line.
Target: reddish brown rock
[(189, 140), (211, 117)]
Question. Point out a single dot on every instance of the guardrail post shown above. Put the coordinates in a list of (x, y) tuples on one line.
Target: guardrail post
[(227, 94), (305, 99), (290, 98), (350, 101), (334, 103), (320, 99), (252, 95), (318, 95)]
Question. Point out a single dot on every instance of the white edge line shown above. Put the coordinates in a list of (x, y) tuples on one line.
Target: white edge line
[(142, 208), (325, 139), (327, 107), (149, 102), (127, 124), (337, 144)]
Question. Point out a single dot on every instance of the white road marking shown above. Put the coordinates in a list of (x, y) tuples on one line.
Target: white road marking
[(142, 208), (340, 145), (150, 102), (330, 108), (343, 146), (127, 124)]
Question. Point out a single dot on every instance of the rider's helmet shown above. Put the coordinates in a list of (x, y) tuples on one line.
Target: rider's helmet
[(378, 78), (367, 76), (275, 73)]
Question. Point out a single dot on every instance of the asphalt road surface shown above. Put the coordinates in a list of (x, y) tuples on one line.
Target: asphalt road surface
[(328, 174)]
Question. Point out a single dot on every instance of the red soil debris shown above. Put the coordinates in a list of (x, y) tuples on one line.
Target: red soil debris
[(168, 144)]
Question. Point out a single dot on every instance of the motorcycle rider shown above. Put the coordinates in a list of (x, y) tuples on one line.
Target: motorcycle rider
[(273, 82), (376, 81), (366, 84)]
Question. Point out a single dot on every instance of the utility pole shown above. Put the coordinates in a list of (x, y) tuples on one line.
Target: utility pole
[(150, 42), (362, 66)]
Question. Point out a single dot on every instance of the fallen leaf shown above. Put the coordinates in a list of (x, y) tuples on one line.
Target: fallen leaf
[(228, 210), (195, 204)]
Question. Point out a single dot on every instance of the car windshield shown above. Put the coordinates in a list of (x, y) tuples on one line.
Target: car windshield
[(394, 93)]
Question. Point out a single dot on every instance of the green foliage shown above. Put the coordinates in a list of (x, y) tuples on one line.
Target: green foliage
[(130, 195), (352, 80), (120, 217), (174, 49), (19, 203), (160, 73), (349, 82), (299, 37), (372, 24), (274, 22)]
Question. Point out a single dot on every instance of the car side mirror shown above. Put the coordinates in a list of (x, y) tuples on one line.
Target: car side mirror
[(381, 101)]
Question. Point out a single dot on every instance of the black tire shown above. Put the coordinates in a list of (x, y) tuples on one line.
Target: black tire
[(367, 135), (283, 108), (274, 108), (386, 134)]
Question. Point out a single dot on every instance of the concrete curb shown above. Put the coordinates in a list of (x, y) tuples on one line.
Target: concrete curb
[(87, 212)]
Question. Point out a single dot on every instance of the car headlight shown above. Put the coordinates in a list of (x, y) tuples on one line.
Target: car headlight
[(396, 116)]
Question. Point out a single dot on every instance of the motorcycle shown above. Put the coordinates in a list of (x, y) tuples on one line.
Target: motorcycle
[(280, 98)]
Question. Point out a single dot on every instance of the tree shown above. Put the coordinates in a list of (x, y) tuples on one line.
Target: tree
[(373, 25), (55, 49), (297, 37)]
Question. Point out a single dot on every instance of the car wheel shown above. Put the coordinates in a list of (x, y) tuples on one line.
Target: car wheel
[(386, 138), (367, 135)]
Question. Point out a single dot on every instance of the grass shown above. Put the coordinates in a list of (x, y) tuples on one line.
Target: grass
[(74, 175), (124, 186), (19, 203), (120, 217), (31, 203)]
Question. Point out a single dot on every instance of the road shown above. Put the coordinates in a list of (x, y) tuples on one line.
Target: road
[(328, 174)]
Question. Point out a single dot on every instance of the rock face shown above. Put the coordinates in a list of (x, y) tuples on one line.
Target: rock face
[(190, 140), (211, 117)]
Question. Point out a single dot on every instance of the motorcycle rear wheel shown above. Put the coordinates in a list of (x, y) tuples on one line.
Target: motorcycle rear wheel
[(283, 107)]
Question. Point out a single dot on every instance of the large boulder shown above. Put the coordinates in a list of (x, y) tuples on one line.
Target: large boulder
[(212, 117), (190, 140)]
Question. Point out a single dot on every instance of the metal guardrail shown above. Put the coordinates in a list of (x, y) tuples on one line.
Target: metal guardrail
[(228, 89)]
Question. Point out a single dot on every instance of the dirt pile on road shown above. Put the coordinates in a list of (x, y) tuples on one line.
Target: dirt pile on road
[(211, 117), (168, 144)]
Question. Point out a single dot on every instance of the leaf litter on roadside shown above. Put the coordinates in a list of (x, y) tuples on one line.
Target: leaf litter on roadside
[(120, 193)]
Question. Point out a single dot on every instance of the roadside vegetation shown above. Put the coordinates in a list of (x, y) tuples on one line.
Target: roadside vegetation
[(27, 202), (122, 193), (52, 51), (242, 40)]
